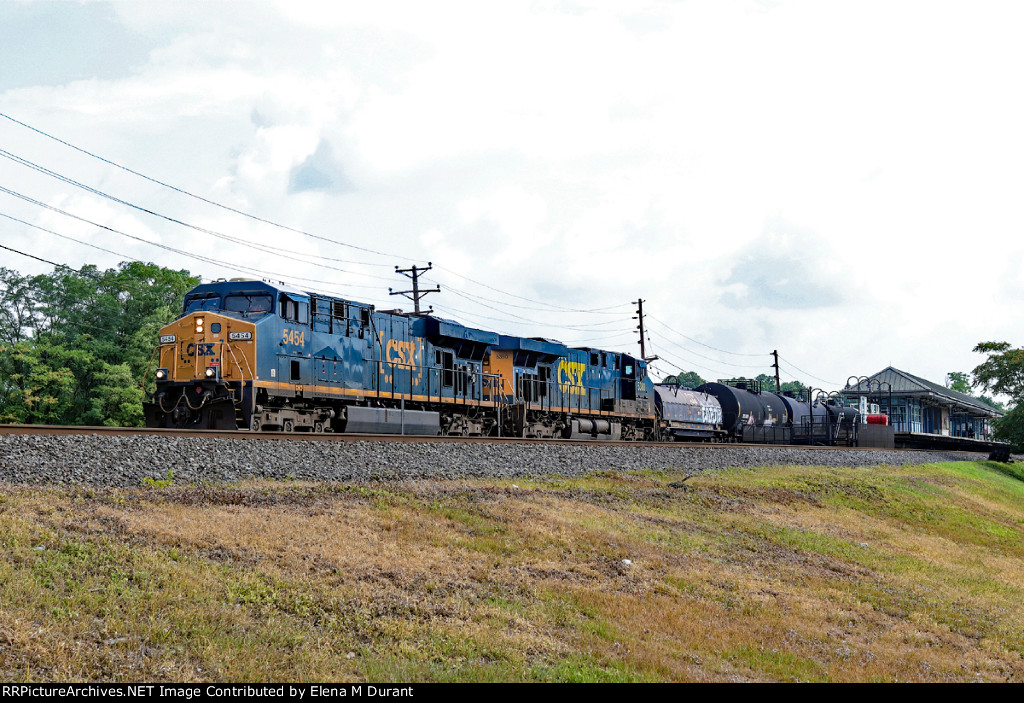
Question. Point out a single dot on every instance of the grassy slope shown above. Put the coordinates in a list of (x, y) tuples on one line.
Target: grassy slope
[(789, 573)]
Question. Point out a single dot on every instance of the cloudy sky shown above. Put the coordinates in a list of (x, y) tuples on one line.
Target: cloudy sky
[(840, 181)]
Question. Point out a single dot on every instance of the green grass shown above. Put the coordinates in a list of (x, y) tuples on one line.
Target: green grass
[(778, 574)]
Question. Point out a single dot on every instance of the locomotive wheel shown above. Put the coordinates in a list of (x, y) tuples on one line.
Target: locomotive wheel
[(318, 427), (289, 426), (256, 424)]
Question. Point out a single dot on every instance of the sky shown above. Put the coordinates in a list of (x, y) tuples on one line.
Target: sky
[(840, 181)]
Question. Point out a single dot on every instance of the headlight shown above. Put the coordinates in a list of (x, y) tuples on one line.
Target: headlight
[(161, 374), (211, 371), (199, 325)]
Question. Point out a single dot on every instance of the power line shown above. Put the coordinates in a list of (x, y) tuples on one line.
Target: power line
[(443, 307), (193, 195), (253, 217), (517, 317), (276, 251), (816, 378), (551, 306), (709, 358), (692, 363), (697, 341), (217, 262), (79, 272)]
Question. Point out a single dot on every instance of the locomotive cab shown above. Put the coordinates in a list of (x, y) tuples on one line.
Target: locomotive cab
[(207, 359)]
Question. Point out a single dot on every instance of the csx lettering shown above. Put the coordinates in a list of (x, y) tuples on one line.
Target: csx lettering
[(401, 355), (570, 376), (401, 352), (199, 350), (294, 337)]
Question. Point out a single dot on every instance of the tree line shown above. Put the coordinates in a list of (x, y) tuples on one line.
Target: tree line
[(692, 379), (75, 345)]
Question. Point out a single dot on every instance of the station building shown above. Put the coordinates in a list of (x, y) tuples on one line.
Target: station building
[(918, 406)]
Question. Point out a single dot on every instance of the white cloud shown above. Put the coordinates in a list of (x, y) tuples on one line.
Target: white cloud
[(582, 154)]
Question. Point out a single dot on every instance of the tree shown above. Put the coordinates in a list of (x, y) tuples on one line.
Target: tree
[(685, 379), (794, 387), (17, 308), (75, 345), (959, 381), (1003, 373)]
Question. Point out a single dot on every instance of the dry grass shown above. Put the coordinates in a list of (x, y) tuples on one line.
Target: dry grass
[(787, 573)]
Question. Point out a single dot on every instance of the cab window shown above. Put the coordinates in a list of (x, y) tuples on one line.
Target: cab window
[(249, 303), (203, 301)]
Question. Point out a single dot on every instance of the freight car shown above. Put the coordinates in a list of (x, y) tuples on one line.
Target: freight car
[(739, 410), (687, 415), (250, 355)]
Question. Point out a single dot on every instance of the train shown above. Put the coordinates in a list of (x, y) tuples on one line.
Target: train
[(253, 355), (249, 355)]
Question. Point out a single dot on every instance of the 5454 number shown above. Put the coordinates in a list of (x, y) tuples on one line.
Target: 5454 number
[(294, 337)]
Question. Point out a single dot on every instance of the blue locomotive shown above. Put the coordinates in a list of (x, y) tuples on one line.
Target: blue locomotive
[(251, 355)]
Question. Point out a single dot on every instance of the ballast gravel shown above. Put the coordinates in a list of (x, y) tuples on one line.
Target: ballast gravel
[(124, 461)]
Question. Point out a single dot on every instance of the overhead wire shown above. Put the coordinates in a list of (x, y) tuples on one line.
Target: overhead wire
[(266, 248), (198, 257), (667, 340), (79, 272), (193, 195), (697, 341), (546, 304), (816, 378)]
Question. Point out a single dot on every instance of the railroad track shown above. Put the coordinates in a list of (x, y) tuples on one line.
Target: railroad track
[(354, 437)]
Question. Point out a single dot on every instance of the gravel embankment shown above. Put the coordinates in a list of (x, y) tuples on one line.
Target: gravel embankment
[(126, 460)]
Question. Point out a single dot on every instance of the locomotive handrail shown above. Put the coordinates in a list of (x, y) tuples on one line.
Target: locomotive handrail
[(234, 358), (472, 396), (545, 402)]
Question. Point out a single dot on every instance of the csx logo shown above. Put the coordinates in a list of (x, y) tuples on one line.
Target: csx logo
[(199, 350), (401, 352), (402, 357), (570, 376)]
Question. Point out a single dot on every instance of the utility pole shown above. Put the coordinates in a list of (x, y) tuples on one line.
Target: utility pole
[(415, 294), (643, 335), (778, 383)]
